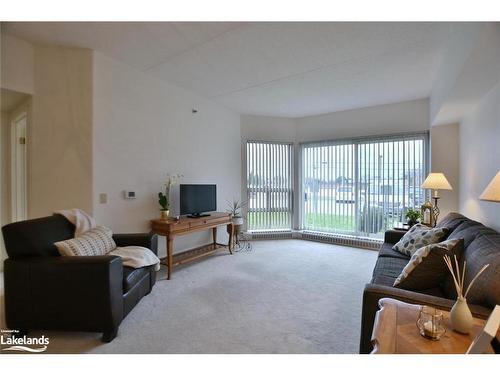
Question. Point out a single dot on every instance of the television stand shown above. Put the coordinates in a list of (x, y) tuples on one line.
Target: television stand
[(171, 228), (195, 216)]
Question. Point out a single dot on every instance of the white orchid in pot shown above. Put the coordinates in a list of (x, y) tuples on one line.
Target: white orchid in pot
[(164, 197)]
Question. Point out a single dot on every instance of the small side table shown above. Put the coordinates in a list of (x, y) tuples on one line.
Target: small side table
[(400, 225), (395, 332)]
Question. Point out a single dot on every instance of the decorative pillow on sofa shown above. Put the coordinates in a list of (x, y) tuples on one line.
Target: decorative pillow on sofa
[(419, 236), (426, 268), (484, 249), (96, 241)]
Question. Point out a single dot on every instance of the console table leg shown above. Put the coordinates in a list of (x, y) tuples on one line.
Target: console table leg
[(170, 257), (231, 236), (214, 235)]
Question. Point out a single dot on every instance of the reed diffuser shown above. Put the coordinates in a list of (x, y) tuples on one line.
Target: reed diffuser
[(460, 315)]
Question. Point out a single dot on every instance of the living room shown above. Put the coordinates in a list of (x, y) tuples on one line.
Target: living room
[(256, 185)]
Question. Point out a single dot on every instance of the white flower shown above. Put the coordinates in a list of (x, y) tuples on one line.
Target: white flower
[(172, 179)]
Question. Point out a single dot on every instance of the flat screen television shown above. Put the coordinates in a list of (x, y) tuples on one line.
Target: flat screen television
[(197, 199)]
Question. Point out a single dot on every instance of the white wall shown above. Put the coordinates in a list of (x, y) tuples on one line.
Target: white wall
[(17, 65), (262, 128), (469, 70), (144, 129), (60, 133), (411, 116), (445, 154), (480, 158), (454, 56)]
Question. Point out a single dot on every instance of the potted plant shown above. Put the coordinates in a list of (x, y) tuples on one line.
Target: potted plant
[(234, 208), (412, 215), (164, 197), (235, 211)]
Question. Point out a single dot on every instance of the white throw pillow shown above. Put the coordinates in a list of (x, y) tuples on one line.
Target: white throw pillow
[(96, 241), (419, 236)]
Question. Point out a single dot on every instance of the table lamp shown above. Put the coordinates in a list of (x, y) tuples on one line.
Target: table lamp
[(436, 182), (492, 191)]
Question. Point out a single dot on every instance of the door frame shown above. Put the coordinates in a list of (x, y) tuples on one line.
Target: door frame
[(16, 196)]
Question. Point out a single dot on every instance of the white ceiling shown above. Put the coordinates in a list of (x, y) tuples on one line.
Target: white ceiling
[(269, 68)]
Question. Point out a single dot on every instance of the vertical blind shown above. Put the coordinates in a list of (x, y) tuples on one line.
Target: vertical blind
[(362, 187), (269, 185), (328, 171)]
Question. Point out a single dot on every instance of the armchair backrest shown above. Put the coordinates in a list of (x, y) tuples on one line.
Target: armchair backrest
[(36, 237)]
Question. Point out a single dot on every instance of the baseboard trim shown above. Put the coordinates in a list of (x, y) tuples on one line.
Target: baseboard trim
[(331, 238)]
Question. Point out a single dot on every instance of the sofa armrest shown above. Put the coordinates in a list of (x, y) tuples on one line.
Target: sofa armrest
[(148, 240), (393, 236), (373, 293), (64, 293)]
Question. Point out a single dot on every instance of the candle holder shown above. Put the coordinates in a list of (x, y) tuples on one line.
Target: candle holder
[(430, 323), (427, 214)]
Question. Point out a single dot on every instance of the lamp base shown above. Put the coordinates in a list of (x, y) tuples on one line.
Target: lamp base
[(435, 211)]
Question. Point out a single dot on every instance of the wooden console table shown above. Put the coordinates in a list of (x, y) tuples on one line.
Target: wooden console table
[(171, 228), (395, 332)]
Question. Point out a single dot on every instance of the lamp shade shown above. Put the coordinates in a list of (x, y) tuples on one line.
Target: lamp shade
[(492, 191), (436, 181)]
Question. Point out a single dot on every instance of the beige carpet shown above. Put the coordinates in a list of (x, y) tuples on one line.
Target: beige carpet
[(286, 296)]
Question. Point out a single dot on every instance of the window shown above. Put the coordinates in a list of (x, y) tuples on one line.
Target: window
[(362, 187), (269, 185)]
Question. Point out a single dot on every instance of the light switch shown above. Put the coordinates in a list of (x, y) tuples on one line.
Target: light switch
[(103, 198)]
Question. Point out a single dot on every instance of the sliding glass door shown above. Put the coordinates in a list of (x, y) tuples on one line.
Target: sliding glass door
[(362, 187), (269, 185), (328, 175)]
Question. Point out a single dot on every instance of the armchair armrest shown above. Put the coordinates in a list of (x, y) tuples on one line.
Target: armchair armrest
[(393, 236), (373, 293), (64, 293), (148, 240)]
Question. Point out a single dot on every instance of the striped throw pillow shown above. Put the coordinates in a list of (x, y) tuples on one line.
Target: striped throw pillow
[(96, 241)]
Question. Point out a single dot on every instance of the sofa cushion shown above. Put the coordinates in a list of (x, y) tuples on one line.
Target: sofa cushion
[(383, 280), (418, 236), (131, 276), (468, 230), (426, 268), (388, 267), (386, 250), (485, 249), (452, 221)]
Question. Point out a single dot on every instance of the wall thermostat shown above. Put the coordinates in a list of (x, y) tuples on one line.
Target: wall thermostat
[(129, 194)]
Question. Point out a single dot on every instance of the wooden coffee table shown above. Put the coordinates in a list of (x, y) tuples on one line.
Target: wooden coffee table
[(395, 332)]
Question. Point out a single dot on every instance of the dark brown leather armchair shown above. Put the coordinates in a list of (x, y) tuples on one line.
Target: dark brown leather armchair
[(45, 291)]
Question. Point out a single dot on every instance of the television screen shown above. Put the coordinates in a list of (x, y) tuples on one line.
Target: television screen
[(196, 199)]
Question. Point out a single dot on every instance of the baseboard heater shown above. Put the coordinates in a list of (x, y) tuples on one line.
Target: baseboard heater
[(332, 238), (270, 235)]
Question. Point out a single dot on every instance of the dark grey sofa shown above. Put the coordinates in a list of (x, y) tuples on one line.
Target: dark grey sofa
[(481, 246)]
